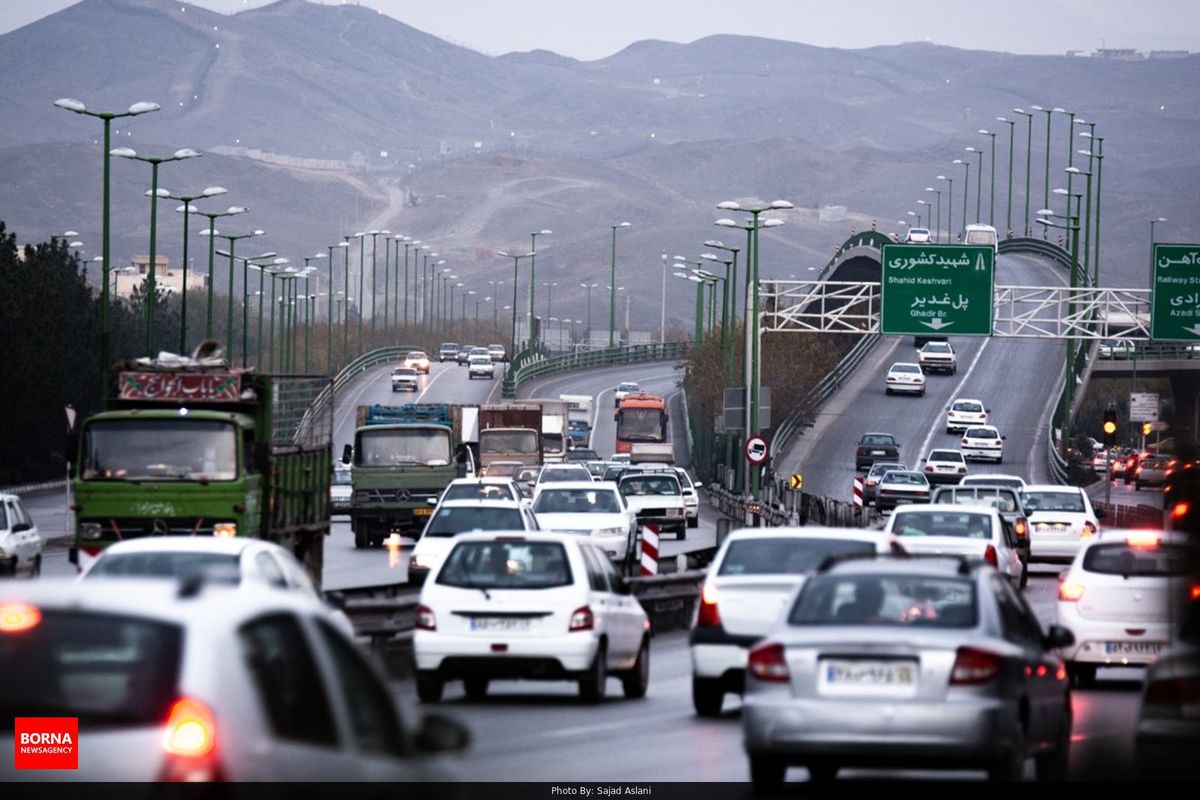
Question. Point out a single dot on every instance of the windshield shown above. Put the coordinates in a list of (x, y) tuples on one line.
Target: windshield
[(577, 501), (981, 237), (417, 356), (560, 475), (105, 670), (451, 520), (643, 485), (398, 447), (500, 469), (506, 565), (642, 425), (627, 387), (963, 524), (1054, 501), (522, 441), (165, 565), (160, 449), (937, 347), (477, 491), (1121, 558), (881, 468), (579, 425), (893, 600), (1002, 500), (785, 555)]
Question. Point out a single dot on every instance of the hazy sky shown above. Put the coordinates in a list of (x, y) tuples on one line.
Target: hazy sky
[(589, 29)]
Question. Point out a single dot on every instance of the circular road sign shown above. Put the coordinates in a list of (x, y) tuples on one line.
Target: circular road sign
[(756, 450)]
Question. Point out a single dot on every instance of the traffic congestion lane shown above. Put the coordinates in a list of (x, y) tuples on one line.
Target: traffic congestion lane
[(1016, 378)]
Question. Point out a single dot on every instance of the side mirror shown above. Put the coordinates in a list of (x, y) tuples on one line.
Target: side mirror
[(987, 411), (1004, 438), (698, 485), (1058, 636), (1100, 513), (439, 734), (347, 453), (431, 502)]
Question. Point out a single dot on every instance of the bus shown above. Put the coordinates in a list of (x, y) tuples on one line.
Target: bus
[(640, 417)]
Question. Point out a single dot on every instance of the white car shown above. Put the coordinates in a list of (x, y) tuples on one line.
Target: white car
[(691, 496), (454, 517), (619, 458), (945, 466), (20, 543), (341, 489), (753, 574), (418, 360), (918, 236), (951, 529), (496, 352), (406, 379), (588, 508), (557, 473), (1061, 519), (182, 681), (994, 479), (899, 486), (965, 413), (905, 377), (938, 356), (657, 499), (1122, 594), (624, 388), (481, 366), (525, 605), (486, 488), (983, 442)]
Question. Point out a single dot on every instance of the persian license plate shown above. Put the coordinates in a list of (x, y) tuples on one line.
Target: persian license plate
[(422, 511), (1045, 528), (846, 676), (502, 624), (1133, 648), (879, 452)]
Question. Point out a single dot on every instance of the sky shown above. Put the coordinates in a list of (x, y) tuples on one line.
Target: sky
[(591, 29)]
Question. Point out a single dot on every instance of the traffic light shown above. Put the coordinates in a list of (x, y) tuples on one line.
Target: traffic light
[(1110, 427), (1147, 429)]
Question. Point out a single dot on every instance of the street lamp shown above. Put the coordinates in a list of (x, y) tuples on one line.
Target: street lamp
[(345, 246), (978, 182), (1011, 127), (309, 300), (1072, 226), (966, 185), (247, 264), (415, 243), (212, 233), (77, 107), (1087, 211), (1097, 143), (233, 240), (612, 277), (549, 295), (589, 287), (1028, 158), (698, 335), (362, 269), (992, 179), (937, 231), (927, 212), (187, 209), (717, 244), (533, 275), (375, 282), (1153, 222), (154, 162), (516, 257)]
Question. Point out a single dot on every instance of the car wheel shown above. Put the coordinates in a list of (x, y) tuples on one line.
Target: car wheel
[(888, 390), (821, 773), (430, 688), (594, 684), (949, 429), (922, 394), (707, 696), (694, 522), (11, 567), (767, 774), (1082, 675), (1137, 486), (1024, 581), (635, 682), (476, 688), (1053, 766), (36, 569), (1010, 767)]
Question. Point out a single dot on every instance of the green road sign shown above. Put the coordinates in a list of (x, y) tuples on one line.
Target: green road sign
[(1175, 295), (937, 288)]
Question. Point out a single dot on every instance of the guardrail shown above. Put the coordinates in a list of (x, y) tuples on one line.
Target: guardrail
[(529, 365), (1041, 247), (372, 358), (783, 507), (873, 239), (1139, 516)]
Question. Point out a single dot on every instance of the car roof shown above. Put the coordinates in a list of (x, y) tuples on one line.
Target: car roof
[(232, 546), (503, 480), (465, 502), (987, 476), (589, 485), (944, 450), (905, 364), (904, 472), (809, 531), (908, 508), (900, 565), (879, 433), (529, 536), (1052, 487)]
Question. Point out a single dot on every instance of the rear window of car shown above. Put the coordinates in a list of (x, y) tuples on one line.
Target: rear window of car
[(1155, 462), (1004, 501), (417, 354), (506, 565), (905, 368), (914, 478), (166, 565), (919, 601), (973, 408), (946, 455), (107, 670), (643, 485), (1121, 558), (478, 491), (879, 469), (982, 433), (577, 501), (1054, 501), (937, 347), (785, 555), (879, 440), (942, 523), (988, 480), (452, 521)]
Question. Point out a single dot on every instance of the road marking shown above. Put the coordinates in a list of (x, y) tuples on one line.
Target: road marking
[(429, 385), (497, 386), (941, 421)]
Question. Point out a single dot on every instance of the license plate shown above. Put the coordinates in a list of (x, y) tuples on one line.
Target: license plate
[(422, 511), (895, 678), (878, 452), (505, 624), (1133, 648), (1042, 528)]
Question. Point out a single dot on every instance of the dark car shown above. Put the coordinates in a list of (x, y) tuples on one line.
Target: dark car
[(874, 447)]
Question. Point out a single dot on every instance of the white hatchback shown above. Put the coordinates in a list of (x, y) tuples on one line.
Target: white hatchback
[(950, 529), (753, 574), (588, 508), (945, 466), (983, 442), (454, 517), (1061, 519), (906, 378), (1122, 595), (965, 413), (533, 606), (20, 543), (481, 366)]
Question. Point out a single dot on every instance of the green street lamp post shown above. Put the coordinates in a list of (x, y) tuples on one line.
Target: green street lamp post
[(1153, 222), (589, 287), (966, 185), (1049, 112), (717, 244), (407, 244), (233, 240), (698, 334), (1097, 148), (978, 183), (612, 277), (362, 271), (212, 233), (992, 178), (516, 257), (1028, 159), (533, 277), (549, 285), (1087, 213), (78, 107), (309, 299), (345, 315), (375, 283), (927, 212), (247, 265), (187, 209), (154, 193), (1011, 128), (937, 230), (949, 206), (1072, 226)]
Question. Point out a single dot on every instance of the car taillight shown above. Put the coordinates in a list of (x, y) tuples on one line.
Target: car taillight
[(973, 666), (582, 619), (1195, 591), (708, 616), (426, 621), (1170, 695), (766, 663), (18, 617), (190, 742), (1180, 510), (929, 467), (964, 441), (1070, 592), (999, 442), (1022, 527), (962, 470), (1088, 530), (989, 555)]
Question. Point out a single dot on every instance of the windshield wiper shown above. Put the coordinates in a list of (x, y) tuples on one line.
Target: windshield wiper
[(470, 584)]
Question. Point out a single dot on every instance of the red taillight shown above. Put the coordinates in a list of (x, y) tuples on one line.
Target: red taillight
[(766, 663), (191, 730), (1173, 692), (582, 619), (973, 666), (1180, 510), (962, 470), (708, 616), (426, 621), (1195, 593), (999, 442), (964, 441), (1070, 592), (989, 555), (18, 617), (929, 468)]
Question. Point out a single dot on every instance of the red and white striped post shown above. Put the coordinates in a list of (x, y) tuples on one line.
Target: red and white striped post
[(649, 550), (858, 493)]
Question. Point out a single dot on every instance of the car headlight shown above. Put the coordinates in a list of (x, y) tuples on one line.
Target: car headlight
[(90, 531), (422, 562), (225, 530), (609, 532)]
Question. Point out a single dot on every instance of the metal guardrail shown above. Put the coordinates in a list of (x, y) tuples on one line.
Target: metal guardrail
[(1041, 247), (1139, 516), (529, 365), (372, 358), (29, 488), (873, 239)]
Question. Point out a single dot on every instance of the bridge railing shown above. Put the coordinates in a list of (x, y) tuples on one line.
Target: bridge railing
[(529, 365), (1040, 247), (366, 361), (873, 239)]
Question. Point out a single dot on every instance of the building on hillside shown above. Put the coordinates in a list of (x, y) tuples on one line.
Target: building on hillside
[(1162, 54), (168, 280), (1118, 53)]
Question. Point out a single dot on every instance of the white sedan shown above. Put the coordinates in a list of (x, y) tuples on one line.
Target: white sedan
[(454, 517), (964, 413), (588, 508), (905, 378), (945, 466), (983, 442), (20, 543), (1061, 520), (977, 531), (481, 366)]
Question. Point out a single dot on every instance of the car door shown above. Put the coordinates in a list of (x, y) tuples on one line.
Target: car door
[(608, 603), (27, 540), (1037, 666), (1008, 554), (632, 615)]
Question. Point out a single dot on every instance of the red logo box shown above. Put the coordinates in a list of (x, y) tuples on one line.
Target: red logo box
[(46, 743)]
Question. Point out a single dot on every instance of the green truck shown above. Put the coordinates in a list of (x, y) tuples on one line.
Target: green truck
[(197, 448), (403, 458)]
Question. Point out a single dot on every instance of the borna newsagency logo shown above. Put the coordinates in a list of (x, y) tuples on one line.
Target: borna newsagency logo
[(46, 743)]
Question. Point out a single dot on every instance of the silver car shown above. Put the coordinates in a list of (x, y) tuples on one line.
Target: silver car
[(911, 663)]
